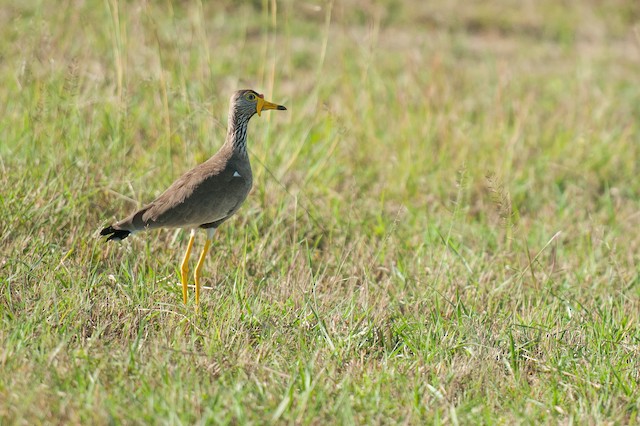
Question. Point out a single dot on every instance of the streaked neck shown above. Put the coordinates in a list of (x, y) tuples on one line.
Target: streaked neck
[(237, 133)]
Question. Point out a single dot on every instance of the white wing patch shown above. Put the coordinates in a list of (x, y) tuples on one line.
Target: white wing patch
[(236, 174)]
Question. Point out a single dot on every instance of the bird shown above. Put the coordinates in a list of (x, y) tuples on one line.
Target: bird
[(207, 195)]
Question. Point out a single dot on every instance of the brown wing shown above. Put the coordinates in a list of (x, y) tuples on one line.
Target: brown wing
[(208, 193), (189, 204)]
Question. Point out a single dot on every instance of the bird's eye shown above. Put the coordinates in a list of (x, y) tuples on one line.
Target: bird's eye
[(250, 97)]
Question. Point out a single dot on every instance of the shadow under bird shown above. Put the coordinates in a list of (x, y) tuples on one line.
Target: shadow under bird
[(207, 195)]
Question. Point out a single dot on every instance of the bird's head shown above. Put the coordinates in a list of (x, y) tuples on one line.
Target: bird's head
[(248, 102)]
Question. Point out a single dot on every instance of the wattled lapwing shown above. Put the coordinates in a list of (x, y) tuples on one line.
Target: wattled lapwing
[(206, 196)]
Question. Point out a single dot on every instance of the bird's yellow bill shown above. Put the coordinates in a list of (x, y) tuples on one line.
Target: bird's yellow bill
[(262, 105)]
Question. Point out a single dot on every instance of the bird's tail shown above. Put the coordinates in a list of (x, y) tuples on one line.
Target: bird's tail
[(115, 234)]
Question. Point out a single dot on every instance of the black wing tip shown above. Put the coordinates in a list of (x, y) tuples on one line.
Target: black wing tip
[(115, 234)]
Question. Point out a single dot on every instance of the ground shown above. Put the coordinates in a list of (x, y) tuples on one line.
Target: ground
[(444, 225)]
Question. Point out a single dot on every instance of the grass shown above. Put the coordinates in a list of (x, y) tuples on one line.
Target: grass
[(444, 225)]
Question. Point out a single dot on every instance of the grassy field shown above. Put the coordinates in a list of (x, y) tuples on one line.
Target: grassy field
[(444, 225)]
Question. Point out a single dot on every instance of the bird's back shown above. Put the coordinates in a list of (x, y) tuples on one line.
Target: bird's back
[(207, 194)]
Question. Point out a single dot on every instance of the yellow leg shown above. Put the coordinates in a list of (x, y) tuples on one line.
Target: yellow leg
[(184, 267), (196, 275)]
